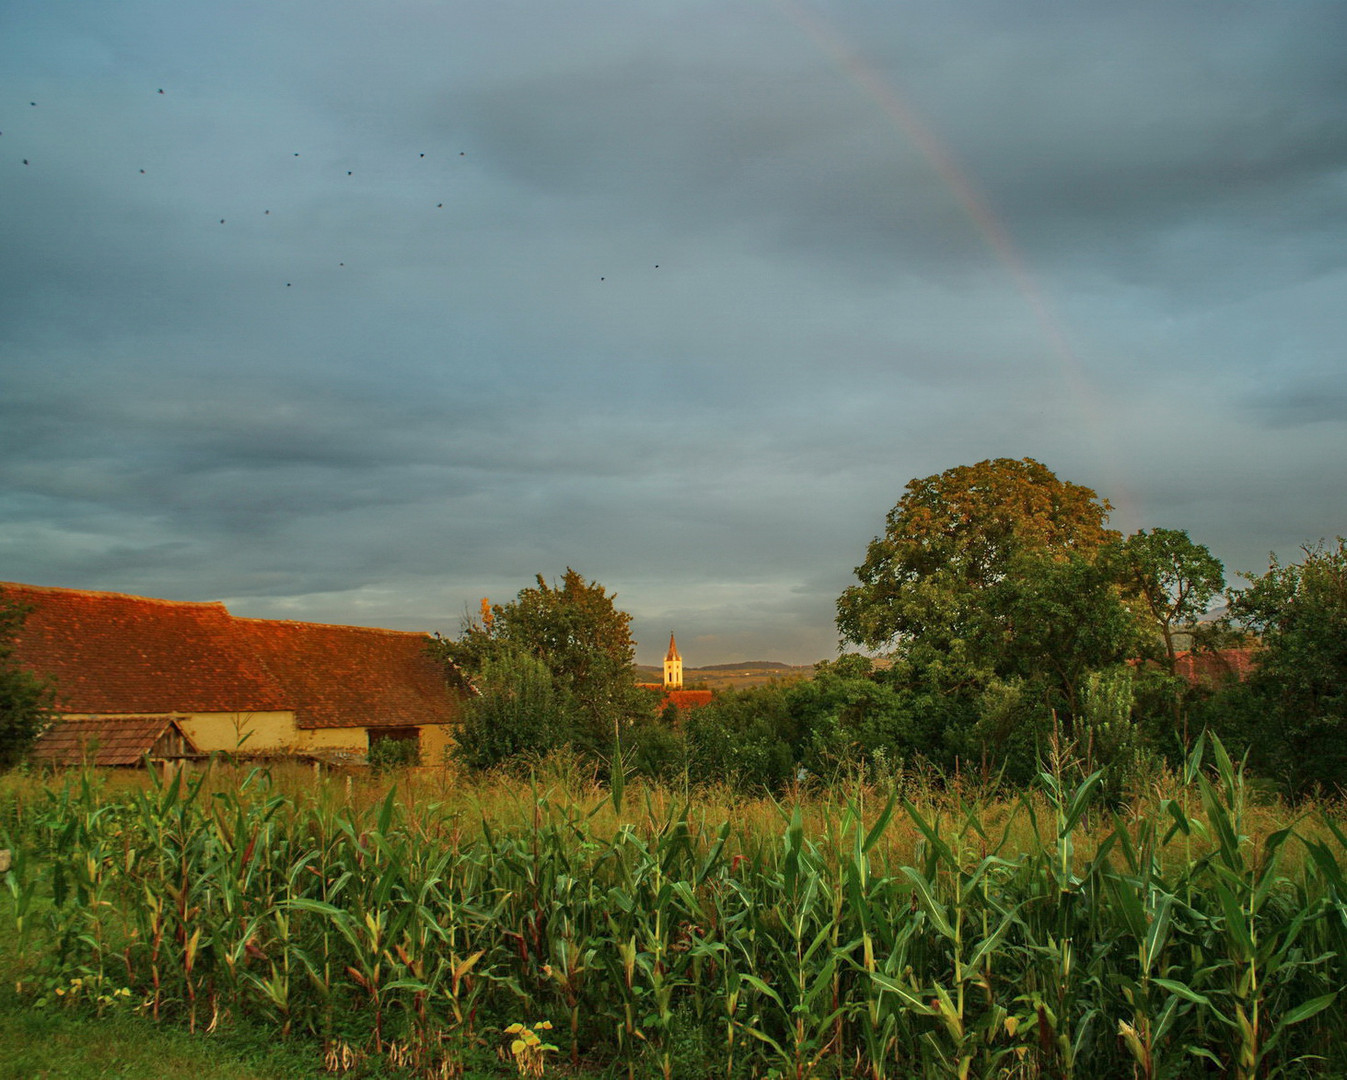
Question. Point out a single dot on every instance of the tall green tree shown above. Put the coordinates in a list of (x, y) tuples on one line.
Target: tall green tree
[(577, 632), (928, 586), (25, 699), (1172, 579), (1299, 612), (924, 584), (990, 594)]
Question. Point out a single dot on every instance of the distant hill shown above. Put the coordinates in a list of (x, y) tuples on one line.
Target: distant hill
[(747, 665)]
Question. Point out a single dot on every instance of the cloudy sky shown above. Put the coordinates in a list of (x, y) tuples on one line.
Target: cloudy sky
[(358, 312)]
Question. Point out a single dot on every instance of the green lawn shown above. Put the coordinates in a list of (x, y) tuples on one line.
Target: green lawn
[(45, 1043)]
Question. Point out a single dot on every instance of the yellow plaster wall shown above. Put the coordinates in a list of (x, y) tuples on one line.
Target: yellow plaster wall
[(352, 739), (268, 733), (275, 732), (436, 739), (244, 733)]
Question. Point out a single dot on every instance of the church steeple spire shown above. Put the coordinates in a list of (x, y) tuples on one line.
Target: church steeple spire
[(673, 666)]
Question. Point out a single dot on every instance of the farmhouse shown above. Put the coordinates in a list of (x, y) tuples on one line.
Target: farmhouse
[(190, 677)]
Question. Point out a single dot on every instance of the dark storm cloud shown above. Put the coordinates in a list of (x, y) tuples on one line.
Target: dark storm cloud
[(1310, 401), (679, 296), (1119, 127)]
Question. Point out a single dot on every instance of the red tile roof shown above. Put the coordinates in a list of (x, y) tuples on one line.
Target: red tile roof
[(102, 741), (112, 654), (351, 676), (1213, 667), (686, 699)]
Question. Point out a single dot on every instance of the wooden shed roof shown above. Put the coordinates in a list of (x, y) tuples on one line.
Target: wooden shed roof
[(99, 740)]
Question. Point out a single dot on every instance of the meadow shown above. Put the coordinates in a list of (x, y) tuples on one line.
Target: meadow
[(427, 924)]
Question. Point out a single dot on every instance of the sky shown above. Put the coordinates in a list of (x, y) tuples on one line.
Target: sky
[(359, 312)]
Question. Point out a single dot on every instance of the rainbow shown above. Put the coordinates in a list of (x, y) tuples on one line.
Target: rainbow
[(879, 90)]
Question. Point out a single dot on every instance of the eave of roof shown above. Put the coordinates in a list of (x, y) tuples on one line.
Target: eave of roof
[(103, 740)]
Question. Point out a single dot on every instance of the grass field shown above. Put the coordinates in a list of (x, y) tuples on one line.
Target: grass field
[(403, 928)]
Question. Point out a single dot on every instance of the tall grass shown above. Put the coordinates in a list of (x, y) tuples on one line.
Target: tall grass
[(857, 933)]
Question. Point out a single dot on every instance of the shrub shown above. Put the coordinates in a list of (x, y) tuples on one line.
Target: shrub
[(517, 713), (388, 753)]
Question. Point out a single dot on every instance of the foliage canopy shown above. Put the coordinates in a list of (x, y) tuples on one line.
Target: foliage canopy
[(25, 699), (1171, 578), (1300, 681), (952, 537), (582, 642)]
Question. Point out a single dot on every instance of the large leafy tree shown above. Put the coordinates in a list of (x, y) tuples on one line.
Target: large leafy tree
[(1300, 613), (25, 699), (516, 713), (576, 631), (951, 538), (987, 587)]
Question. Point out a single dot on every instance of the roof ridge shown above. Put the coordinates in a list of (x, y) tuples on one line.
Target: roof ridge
[(100, 593), (326, 626)]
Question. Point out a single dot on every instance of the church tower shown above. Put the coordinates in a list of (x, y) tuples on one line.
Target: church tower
[(673, 667)]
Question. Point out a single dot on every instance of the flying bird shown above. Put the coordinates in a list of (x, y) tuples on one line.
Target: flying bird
[(161, 91)]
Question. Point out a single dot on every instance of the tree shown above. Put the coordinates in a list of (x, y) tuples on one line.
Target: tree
[(1171, 578), (583, 640), (950, 539), (25, 699), (987, 589), (1300, 613), (745, 738)]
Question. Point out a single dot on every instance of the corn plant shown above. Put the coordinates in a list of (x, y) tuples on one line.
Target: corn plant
[(829, 935)]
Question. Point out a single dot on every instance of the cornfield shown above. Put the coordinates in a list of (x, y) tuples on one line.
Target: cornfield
[(858, 936)]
